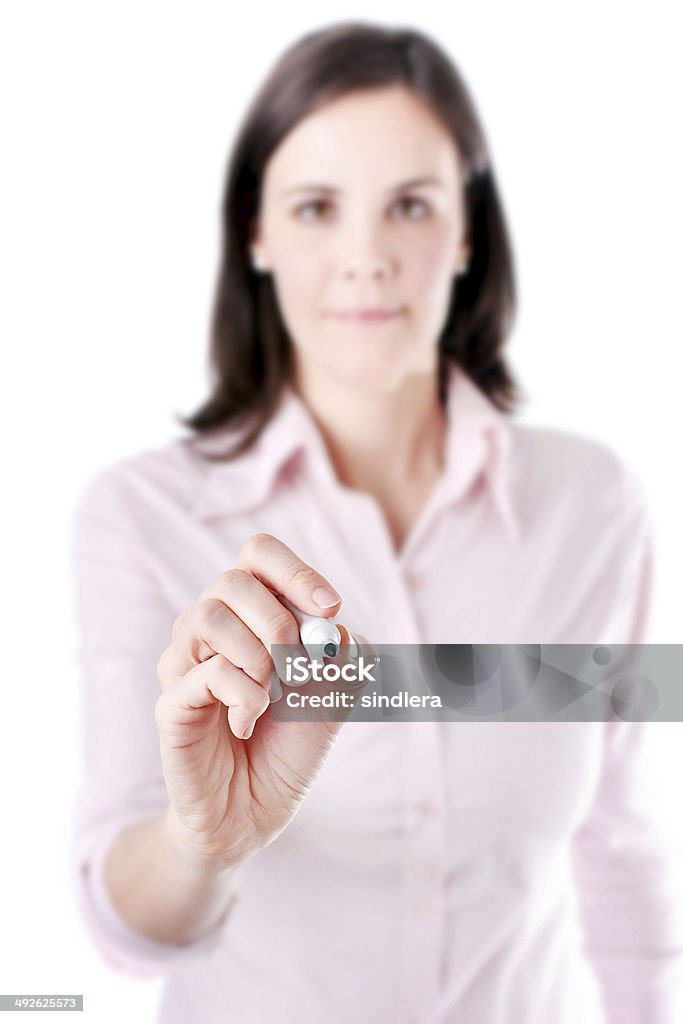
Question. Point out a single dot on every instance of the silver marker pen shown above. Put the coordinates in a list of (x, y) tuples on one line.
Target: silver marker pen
[(319, 636), (316, 633)]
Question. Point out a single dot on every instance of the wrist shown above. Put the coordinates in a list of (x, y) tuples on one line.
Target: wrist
[(196, 860)]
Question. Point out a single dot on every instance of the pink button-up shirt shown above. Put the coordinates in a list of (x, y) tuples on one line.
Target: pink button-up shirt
[(438, 872)]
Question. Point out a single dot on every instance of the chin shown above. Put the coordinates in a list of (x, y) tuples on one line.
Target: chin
[(380, 374)]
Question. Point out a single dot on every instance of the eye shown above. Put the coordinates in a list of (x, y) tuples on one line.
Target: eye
[(313, 204), (314, 209), (412, 202)]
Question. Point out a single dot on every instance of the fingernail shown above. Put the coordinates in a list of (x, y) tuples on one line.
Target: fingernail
[(243, 728), (325, 598)]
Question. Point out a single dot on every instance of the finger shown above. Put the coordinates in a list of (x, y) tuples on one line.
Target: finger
[(280, 568), (210, 627), (267, 618), (212, 681), (254, 603), (348, 646)]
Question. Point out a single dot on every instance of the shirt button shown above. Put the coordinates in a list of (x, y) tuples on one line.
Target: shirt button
[(414, 579)]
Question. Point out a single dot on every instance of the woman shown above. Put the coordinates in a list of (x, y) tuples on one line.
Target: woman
[(358, 456)]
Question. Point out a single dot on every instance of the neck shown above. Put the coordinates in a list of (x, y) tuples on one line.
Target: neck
[(379, 440)]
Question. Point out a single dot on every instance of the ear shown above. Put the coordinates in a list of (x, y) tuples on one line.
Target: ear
[(257, 259), (255, 249), (463, 258)]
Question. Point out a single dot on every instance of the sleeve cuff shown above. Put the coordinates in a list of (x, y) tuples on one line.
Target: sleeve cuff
[(120, 946)]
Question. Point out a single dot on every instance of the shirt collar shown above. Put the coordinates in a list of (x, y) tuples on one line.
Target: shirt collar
[(477, 445)]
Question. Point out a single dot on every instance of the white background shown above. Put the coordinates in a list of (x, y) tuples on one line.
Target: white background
[(116, 121)]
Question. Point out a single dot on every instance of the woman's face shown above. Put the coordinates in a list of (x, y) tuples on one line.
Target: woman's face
[(362, 210)]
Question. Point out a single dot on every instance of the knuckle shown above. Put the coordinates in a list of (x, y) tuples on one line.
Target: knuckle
[(161, 665), (221, 664), (265, 702), (282, 629), (224, 583), (262, 667), (180, 620), (236, 576), (259, 702), (161, 709), (208, 612), (227, 668), (256, 544), (232, 581), (301, 574)]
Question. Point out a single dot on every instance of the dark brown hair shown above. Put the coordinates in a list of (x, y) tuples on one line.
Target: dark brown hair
[(250, 353)]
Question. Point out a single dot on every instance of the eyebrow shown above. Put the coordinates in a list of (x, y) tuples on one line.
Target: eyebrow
[(424, 180)]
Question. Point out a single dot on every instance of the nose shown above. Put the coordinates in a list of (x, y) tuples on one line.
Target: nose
[(366, 257), (374, 269)]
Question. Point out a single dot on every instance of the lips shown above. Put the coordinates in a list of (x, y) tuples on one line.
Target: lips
[(367, 315)]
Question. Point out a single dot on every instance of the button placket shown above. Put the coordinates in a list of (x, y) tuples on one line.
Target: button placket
[(376, 554), (423, 931), (421, 938)]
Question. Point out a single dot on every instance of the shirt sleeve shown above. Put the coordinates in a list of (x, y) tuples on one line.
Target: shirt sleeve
[(628, 875), (125, 622)]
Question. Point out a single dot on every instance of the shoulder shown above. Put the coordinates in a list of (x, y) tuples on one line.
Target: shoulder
[(566, 475), (166, 478)]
